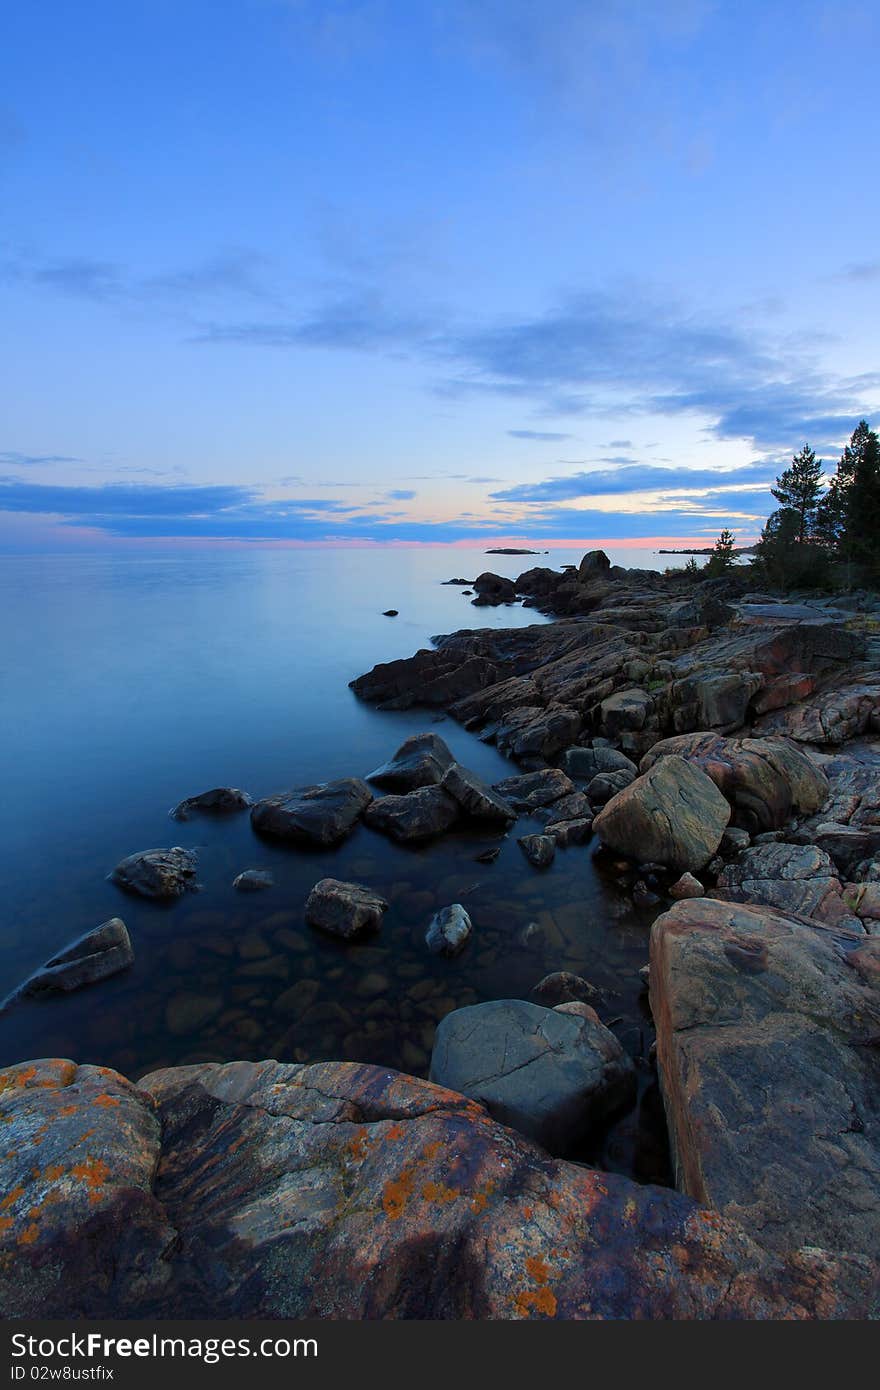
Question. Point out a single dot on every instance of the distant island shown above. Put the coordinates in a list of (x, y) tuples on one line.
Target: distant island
[(508, 551), (707, 550)]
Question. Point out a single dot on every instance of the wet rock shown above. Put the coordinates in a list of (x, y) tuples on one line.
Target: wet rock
[(687, 887), (157, 873), (488, 856), (534, 789), (318, 816), (673, 814), (551, 1076), (219, 800), (492, 589), (253, 881), (540, 850), (764, 1027), (97, 954), (344, 909), (420, 761), (389, 613), (418, 815), (562, 987), (449, 931), (475, 797), (570, 832)]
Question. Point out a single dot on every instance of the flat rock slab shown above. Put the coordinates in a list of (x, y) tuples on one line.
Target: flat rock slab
[(553, 1077), (96, 955), (317, 816), (344, 909), (419, 815), (673, 814), (420, 761), (157, 873), (767, 1030), (263, 1190)]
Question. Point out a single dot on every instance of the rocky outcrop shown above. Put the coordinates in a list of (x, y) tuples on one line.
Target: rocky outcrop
[(552, 1076), (94, 956), (218, 801), (313, 817), (794, 878), (420, 761), (344, 909), (673, 814), (832, 718), (157, 873), (419, 815), (767, 1031), (260, 1190), (765, 780), (493, 589)]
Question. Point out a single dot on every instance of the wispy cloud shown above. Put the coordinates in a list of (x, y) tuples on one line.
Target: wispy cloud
[(634, 479), (16, 460), (541, 436)]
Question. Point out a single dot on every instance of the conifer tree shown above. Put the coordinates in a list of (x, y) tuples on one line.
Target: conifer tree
[(798, 488), (722, 556)]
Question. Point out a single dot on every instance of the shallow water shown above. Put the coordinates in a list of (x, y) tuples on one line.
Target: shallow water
[(129, 683)]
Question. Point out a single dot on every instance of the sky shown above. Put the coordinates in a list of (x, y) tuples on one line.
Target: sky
[(429, 271)]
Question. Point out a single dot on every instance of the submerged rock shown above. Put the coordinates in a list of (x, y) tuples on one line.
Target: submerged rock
[(420, 761), (449, 931), (214, 1191), (219, 800), (344, 909), (157, 873), (419, 815), (253, 881), (552, 1076), (673, 814), (318, 816), (94, 956)]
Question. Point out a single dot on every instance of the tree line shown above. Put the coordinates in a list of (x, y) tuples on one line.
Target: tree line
[(820, 536)]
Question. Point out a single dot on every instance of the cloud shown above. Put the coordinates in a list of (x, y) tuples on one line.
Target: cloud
[(401, 495), (635, 479), (544, 436), (860, 271), (16, 460)]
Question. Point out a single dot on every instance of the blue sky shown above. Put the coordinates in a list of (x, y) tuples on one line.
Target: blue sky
[(429, 270)]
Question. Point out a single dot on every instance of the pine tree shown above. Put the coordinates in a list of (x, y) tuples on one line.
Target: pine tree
[(798, 488), (722, 556), (848, 517)]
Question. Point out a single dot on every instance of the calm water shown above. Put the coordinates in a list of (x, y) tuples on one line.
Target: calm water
[(128, 683)]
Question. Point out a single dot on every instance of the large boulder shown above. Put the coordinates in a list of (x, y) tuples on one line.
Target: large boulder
[(475, 798), (267, 1190), (316, 816), (673, 814), (552, 1076), (492, 589), (97, 954), (217, 801), (713, 699), (764, 779), (767, 1031), (157, 873), (594, 565), (344, 909), (419, 815), (420, 761)]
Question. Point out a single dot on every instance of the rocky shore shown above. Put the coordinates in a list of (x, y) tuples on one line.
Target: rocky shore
[(720, 749)]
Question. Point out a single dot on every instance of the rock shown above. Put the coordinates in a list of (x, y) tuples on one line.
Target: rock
[(562, 987), (534, 789), (714, 699), (793, 878), (220, 800), (687, 887), (214, 1191), (428, 678), (848, 845), (769, 1075), (389, 613), (157, 873), (607, 784), (488, 856), (532, 732), (579, 1010), (551, 1076), (765, 780), (830, 718), (419, 815), (187, 1013), (493, 589), (475, 798), (448, 931), (625, 710), (573, 807), (594, 565), (587, 763), (420, 761), (570, 832), (253, 881), (734, 839), (540, 850), (672, 814), (344, 909), (94, 956), (643, 896), (319, 816)]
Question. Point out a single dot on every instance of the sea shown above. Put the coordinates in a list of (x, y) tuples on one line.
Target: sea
[(129, 681)]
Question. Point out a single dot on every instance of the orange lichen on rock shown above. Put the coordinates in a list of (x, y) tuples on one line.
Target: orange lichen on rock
[(396, 1193), (94, 1172), (439, 1192), (106, 1101)]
